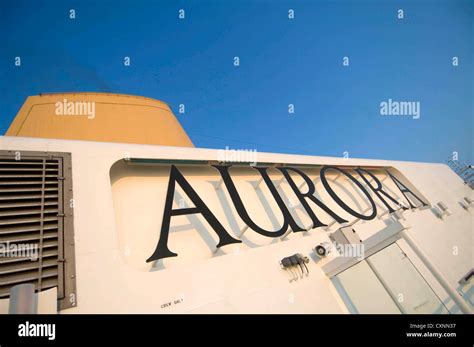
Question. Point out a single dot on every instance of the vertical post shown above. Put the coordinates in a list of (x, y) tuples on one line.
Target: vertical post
[(22, 299)]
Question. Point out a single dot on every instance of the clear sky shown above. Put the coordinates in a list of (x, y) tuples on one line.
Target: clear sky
[(282, 61)]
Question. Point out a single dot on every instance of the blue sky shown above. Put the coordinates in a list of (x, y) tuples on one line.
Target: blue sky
[(282, 62)]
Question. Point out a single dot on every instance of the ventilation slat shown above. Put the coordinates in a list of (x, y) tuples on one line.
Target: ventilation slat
[(28, 236), (25, 162), (46, 254), (20, 183), (23, 212), (29, 190), (26, 204), (48, 242), (16, 278), (26, 265), (23, 228), (51, 243), (22, 169), (15, 175), (27, 197), (25, 220)]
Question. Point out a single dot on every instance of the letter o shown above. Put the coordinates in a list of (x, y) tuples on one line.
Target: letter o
[(342, 203)]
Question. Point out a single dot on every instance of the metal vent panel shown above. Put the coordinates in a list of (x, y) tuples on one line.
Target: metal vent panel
[(36, 226)]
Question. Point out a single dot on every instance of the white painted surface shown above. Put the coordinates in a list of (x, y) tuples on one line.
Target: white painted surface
[(108, 218)]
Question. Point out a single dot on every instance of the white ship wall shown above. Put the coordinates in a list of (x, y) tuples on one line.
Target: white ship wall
[(117, 218)]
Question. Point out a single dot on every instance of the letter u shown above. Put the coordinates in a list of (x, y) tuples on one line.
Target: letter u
[(288, 220)]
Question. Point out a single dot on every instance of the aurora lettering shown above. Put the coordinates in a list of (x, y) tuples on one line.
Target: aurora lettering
[(372, 184)]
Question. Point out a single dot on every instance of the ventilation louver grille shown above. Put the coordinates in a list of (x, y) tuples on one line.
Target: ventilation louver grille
[(32, 222)]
